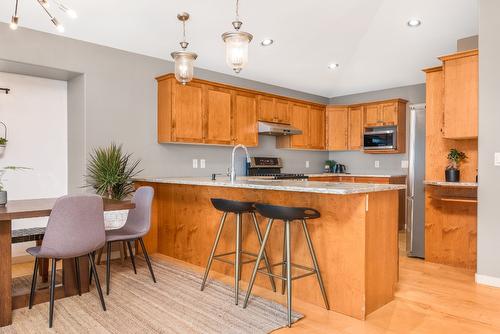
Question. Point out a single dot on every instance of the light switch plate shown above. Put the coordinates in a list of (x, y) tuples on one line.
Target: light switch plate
[(202, 163), (195, 163), (404, 164), (377, 164), (307, 164), (497, 158)]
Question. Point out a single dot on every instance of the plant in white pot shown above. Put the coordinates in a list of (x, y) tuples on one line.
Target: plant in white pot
[(110, 173), (3, 170)]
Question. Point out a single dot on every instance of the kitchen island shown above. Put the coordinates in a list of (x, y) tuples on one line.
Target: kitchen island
[(355, 238)]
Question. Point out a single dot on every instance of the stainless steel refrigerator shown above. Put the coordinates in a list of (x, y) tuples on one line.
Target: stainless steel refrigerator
[(415, 195)]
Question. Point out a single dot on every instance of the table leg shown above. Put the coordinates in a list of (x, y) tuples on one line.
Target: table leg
[(5, 273), (69, 276), (43, 267)]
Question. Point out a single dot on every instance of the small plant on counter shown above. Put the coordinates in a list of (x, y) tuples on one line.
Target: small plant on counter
[(3, 170), (455, 158), (110, 172)]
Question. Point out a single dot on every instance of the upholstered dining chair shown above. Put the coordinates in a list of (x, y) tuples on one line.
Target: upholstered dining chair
[(75, 229), (137, 225)]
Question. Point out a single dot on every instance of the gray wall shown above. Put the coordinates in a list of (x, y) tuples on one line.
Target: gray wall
[(489, 142), (118, 101), (358, 162)]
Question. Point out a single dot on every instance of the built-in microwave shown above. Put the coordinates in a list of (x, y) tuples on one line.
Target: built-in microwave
[(380, 138)]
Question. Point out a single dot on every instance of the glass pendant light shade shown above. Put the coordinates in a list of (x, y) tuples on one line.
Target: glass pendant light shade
[(184, 60), (237, 49), (184, 65)]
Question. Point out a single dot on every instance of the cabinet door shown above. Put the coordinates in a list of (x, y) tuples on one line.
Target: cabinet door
[(461, 98), (337, 119), (187, 113), (245, 119), (217, 116), (372, 116), (266, 109), (281, 111), (367, 179), (355, 128), (389, 113), (317, 128), (299, 118)]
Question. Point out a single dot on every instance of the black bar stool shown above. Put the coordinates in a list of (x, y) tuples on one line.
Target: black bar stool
[(288, 215), (238, 208)]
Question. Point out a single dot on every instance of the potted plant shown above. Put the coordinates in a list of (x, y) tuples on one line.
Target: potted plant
[(110, 172), (3, 192), (3, 140), (455, 157)]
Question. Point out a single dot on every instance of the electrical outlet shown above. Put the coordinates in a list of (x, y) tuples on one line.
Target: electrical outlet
[(497, 159), (307, 163), (377, 164), (195, 163), (404, 164), (202, 163)]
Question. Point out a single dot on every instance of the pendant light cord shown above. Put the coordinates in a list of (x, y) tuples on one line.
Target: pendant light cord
[(237, 10), (45, 9), (15, 11), (184, 31)]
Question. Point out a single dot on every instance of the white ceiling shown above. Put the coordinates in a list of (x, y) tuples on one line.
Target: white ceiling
[(368, 38)]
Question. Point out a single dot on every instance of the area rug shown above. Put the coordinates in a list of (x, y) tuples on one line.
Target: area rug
[(136, 305)]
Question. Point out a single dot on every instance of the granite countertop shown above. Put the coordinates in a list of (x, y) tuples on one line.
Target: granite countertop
[(356, 175), (336, 188), (451, 184)]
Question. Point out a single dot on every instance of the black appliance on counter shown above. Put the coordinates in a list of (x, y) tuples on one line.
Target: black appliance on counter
[(270, 167), (339, 169)]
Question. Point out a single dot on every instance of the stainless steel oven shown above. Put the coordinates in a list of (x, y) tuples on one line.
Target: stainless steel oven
[(380, 138)]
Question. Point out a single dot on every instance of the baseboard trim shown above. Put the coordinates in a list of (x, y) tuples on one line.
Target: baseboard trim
[(488, 280)]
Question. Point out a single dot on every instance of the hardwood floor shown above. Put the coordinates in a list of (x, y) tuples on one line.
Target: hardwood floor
[(431, 298)]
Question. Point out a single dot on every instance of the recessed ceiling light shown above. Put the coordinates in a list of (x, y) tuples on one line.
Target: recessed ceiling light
[(413, 23), (333, 66), (267, 42)]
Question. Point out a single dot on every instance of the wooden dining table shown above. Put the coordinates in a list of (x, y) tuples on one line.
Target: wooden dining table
[(32, 208)]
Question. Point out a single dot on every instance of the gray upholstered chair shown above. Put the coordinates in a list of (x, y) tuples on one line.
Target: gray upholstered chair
[(75, 229), (137, 225)]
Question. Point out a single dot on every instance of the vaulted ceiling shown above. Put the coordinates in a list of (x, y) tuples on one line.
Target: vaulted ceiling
[(368, 38)]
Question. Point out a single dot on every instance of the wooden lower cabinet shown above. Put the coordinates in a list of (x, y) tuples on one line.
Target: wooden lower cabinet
[(371, 179)]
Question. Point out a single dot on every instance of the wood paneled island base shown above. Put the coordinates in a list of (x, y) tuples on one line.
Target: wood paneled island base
[(355, 239)]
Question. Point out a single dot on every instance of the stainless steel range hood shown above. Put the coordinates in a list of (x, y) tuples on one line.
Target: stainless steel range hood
[(275, 129)]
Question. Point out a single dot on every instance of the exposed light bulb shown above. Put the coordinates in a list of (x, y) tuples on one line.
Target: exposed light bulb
[(44, 3), (58, 25), (14, 23), (413, 23)]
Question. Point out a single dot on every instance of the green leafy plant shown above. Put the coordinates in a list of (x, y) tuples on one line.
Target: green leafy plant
[(3, 141), (455, 157), (5, 169), (110, 172)]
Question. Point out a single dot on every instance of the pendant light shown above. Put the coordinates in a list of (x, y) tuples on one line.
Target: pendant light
[(184, 60), (237, 44)]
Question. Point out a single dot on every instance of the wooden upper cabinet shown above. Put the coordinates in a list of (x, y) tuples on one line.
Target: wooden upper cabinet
[(389, 113), (273, 110), (461, 80), (317, 128), (245, 119), (217, 116), (355, 130), (187, 112), (337, 120), (372, 115), (299, 118)]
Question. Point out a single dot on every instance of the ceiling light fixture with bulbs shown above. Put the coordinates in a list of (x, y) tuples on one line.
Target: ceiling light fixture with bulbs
[(413, 23), (333, 66), (184, 60), (237, 44), (14, 22)]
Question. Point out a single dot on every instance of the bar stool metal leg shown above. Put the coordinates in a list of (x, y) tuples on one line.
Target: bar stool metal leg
[(315, 263), (283, 266), (257, 262), (237, 259), (214, 248), (288, 273), (266, 260)]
